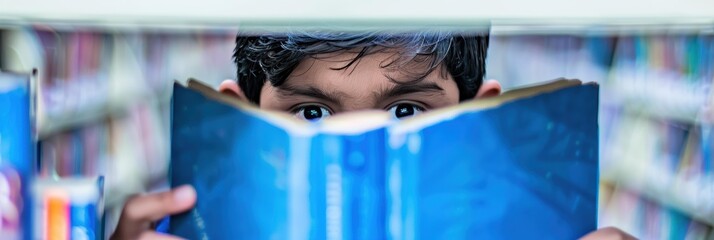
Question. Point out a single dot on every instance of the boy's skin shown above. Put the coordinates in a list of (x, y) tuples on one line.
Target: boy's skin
[(316, 85)]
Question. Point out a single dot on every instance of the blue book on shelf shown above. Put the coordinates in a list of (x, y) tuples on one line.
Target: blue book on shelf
[(522, 165), (16, 155)]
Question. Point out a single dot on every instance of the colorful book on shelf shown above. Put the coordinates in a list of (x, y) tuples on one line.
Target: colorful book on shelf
[(16, 155), (517, 166)]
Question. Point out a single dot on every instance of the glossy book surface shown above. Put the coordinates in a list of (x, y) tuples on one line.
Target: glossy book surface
[(519, 166)]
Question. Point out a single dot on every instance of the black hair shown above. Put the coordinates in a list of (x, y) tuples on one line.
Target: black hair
[(273, 57)]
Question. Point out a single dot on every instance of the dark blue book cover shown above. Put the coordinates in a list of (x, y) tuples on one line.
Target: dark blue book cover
[(522, 165)]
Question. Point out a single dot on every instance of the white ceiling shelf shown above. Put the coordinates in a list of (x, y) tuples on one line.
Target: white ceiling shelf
[(512, 15)]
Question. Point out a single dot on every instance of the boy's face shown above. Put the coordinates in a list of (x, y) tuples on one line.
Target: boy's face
[(315, 90)]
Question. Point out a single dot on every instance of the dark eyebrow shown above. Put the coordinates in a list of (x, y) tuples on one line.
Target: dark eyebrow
[(407, 88), (288, 90)]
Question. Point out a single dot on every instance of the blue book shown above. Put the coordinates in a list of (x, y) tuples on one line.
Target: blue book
[(16, 156), (522, 165)]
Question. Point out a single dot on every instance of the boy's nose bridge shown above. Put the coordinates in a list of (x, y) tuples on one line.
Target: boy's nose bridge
[(359, 105), (359, 100)]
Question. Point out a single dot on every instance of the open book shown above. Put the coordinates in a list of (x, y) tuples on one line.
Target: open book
[(521, 165)]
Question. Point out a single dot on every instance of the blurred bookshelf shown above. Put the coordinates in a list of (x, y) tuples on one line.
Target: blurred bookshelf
[(105, 79), (647, 219), (103, 98), (655, 119)]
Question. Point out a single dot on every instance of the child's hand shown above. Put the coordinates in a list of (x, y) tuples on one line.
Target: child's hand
[(142, 211), (608, 233)]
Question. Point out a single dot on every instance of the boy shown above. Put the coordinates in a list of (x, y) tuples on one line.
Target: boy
[(316, 75)]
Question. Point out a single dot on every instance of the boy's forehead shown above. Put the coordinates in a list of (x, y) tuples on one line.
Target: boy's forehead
[(366, 83), (378, 68)]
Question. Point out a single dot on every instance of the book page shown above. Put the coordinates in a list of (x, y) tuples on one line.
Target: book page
[(361, 121), (277, 118), (435, 116)]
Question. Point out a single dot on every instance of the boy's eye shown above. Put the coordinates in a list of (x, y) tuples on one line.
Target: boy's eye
[(405, 110), (312, 113)]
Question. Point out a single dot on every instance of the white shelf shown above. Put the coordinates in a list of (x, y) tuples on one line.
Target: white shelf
[(50, 125), (229, 14), (651, 109), (673, 101)]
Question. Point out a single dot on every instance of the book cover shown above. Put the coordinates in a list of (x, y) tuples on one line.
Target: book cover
[(517, 166), (16, 158)]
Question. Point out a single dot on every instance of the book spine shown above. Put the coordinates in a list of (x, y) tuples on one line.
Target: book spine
[(354, 183), (401, 193)]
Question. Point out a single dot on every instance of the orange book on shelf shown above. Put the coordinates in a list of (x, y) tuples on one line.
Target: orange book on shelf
[(57, 215)]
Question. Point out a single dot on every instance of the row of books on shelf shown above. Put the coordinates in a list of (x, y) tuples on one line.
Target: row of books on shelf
[(668, 161), (646, 219), (86, 75), (84, 151), (84, 71), (67, 209), (668, 75), (122, 149)]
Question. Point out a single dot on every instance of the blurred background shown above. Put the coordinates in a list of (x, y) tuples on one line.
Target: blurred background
[(104, 82)]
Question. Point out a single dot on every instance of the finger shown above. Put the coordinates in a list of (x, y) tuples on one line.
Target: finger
[(149, 235), (609, 233), (155, 206), (140, 211)]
